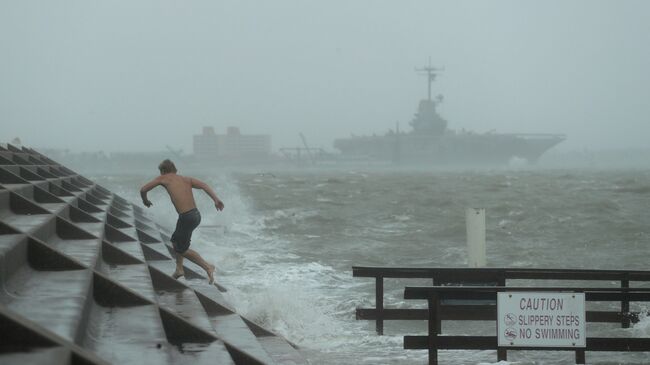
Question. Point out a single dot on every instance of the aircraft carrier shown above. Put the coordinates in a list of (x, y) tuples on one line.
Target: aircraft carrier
[(430, 141)]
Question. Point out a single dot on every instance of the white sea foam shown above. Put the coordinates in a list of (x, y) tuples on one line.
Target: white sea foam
[(402, 217), (642, 328), (292, 215), (305, 301)]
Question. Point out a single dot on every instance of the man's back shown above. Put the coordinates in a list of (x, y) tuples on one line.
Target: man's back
[(180, 191), (179, 188)]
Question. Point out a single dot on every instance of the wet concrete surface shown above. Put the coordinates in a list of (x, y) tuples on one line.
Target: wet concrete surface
[(159, 248), (84, 251), (233, 329), (25, 223), (278, 350), (54, 299), (92, 228), (45, 356), (53, 207), (134, 277), (184, 303), (131, 248), (132, 335), (192, 353), (7, 241)]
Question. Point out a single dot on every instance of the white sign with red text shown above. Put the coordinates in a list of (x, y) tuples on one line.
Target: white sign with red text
[(541, 319)]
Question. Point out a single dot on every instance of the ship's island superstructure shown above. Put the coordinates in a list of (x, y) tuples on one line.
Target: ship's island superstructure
[(431, 142)]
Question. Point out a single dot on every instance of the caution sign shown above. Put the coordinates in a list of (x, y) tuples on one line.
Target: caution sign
[(541, 319)]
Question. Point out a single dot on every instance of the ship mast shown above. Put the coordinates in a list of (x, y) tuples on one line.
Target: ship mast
[(431, 73)]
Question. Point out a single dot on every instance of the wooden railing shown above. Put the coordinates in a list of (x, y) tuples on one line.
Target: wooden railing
[(436, 295), (487, 277)]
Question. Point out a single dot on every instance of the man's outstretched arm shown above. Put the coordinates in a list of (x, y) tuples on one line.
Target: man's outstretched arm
[(145, 188), (198, 184)]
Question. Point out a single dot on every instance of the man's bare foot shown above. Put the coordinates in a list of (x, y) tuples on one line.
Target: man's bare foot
[(210, 272), (177, 274)]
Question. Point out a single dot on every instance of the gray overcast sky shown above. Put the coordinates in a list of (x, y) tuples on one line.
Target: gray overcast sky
[(139, 75)]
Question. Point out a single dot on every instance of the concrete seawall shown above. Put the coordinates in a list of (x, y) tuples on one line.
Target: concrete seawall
[(86, 279)]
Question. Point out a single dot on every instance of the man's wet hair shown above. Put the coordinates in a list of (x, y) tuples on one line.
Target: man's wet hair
[(166, 167)]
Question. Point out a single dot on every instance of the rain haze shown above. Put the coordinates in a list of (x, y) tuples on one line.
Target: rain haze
[(140, 75), (329, 176)]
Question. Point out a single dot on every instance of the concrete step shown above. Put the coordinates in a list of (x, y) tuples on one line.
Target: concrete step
[(183, 300), (176, 296), (52, 299), (121, 317), (126, 335), (70, 239), (13, 252), (37, 356), (21, 213), (24, 342), (281, 351), (135, 277), (133, 249), (232, 329)]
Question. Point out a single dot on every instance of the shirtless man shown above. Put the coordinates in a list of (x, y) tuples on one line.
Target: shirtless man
[(180, 191)]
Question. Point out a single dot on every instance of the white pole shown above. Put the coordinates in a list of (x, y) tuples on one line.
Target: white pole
[(475, 218)]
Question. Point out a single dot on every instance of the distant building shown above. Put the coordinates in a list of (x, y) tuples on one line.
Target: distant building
[(231, 146), (205, 144)]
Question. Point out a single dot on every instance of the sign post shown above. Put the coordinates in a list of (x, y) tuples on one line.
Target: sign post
[(541, 319)]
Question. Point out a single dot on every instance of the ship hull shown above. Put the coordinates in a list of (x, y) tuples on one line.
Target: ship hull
[(449, 149)]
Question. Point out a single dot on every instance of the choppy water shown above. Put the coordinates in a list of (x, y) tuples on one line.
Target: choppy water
[(286, 242)]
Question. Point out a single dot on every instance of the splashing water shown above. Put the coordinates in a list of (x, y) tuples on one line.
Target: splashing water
[(285, 245)]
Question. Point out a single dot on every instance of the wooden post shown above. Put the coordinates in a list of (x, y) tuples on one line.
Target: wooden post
[(502, 354), (501, 278), (379, 303), (625, 305), (580, 357), (434, 328)]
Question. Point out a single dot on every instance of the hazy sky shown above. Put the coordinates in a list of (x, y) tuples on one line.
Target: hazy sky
[(139, 75)]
